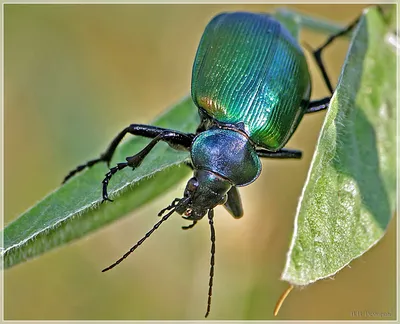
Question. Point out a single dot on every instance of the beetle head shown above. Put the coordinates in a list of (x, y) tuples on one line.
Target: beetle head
[(203, 192)]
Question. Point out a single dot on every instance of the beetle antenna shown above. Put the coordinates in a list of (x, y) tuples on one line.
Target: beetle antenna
[(133, 248), (212, 261)]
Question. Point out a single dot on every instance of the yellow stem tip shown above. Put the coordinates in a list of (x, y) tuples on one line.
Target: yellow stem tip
[(282, 299)]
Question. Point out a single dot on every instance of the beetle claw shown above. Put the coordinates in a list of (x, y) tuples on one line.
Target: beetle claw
[(106, 199)]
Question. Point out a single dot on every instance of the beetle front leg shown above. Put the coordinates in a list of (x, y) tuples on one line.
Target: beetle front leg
[(133, 129), (171, 137)]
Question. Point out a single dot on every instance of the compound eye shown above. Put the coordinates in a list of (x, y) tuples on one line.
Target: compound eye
[(192, 184)]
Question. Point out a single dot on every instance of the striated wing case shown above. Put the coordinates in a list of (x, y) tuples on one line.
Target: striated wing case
[(248, 68)]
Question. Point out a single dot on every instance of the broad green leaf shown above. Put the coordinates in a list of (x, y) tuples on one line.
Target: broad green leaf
[(75, 208), (350, 193), (302, 20)]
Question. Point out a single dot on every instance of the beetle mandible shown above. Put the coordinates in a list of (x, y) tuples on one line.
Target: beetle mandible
[(251, 84)]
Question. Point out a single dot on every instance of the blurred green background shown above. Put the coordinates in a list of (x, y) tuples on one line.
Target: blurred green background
[(75, 75)]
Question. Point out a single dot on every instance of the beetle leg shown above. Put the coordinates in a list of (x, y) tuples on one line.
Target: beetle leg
[(181, 139), (134, 161), (318, 105), (322, 104), (317, 53), (281, 154)]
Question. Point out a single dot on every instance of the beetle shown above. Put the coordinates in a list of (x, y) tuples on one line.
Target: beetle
[(252, 86)]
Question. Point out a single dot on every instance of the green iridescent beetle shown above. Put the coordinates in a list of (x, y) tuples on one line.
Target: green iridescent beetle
[(251, 84)]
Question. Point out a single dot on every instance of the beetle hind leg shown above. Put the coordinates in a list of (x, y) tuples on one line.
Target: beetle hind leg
[(318, 52), (318, 105), (322, 104)]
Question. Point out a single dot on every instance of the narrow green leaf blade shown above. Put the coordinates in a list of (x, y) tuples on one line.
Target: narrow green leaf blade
[(350, 193), (75, 208)]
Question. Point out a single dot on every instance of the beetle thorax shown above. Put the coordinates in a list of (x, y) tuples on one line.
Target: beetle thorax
[(227, 153), (203, 192)]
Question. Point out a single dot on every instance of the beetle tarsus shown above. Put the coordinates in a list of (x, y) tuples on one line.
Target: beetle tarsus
[(108, 176), (318, 52), (106, 199), (81, 167)]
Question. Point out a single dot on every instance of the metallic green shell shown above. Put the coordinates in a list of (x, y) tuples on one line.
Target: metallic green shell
[(248, 68)]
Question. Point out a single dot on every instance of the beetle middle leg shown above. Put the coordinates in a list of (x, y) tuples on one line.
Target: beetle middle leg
[(171, 137), (133, 129), (280, 154)]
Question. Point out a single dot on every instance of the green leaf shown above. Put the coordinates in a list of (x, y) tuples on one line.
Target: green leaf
[(350, 193), (302, 20), (75, 208)]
